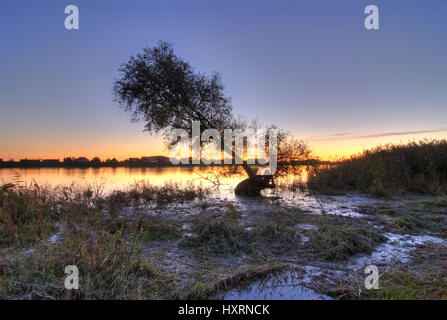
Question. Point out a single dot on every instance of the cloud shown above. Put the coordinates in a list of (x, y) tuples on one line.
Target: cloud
[(339, 134), (400, 133), (346, 136)]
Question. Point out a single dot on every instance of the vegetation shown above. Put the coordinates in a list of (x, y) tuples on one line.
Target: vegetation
[(340, 241), (440, 202), (206, 284), (110, 269), (280, 230), (424, 279), (43, 230), (401, 285), (83, 162), (406, 220), (219, 234), (416, 167), (143, 192), (125, 249), (26, 214)]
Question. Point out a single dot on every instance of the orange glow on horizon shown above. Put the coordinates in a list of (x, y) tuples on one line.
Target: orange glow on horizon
[(324, 149)]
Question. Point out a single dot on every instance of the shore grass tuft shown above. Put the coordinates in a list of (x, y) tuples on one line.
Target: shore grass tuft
[(340, 242), (218, 234), (416, 167), (404, 220)]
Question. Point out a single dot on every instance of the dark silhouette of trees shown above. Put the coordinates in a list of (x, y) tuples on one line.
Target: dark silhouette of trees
[(165, 92), (95, 162), (69, 161), (112, 162)]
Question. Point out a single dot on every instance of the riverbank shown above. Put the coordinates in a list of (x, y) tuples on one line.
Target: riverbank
[(392, 169), (171, 242)]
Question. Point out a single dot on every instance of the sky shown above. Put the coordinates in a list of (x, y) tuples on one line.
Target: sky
[(309, 66)]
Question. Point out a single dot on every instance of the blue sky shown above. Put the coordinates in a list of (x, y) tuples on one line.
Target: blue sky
[(307, 66)]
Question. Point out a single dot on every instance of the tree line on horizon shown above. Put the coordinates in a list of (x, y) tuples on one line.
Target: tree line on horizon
[(85, 162), (153, 161)]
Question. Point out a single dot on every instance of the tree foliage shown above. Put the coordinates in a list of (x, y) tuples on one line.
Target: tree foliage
[(164, 91)]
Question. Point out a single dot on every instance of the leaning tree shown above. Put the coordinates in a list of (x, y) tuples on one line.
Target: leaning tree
[(165, 92)]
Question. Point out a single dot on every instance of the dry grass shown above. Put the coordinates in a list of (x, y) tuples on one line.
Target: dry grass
[(105, 247), (338, 241), (417, 167), (206, 284)]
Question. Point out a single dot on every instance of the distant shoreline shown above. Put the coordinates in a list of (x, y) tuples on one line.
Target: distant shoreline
[(18, 165)]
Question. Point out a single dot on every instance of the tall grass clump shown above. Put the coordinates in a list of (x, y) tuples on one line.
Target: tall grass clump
[(111, 266), (44, 229), (26, 214), (415, 167), (339, 242), (144, 192)]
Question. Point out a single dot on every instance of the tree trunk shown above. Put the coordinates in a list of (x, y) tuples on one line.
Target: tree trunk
[(254, 184)]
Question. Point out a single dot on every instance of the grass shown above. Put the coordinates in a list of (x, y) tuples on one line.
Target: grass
[(206, 284), (405, 220), (109, 268), (113, 248), (106, 247), (425, 278), (395, 284), (416, 167), (440, 202), (403, 285), (281, 228), (145, 227), (340, 241), (167, 193), (163, 232), (143, 192), (26, 215), (218, 234)]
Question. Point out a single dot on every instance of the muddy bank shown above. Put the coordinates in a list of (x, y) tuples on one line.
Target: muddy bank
[(221, 236), (285, 245)]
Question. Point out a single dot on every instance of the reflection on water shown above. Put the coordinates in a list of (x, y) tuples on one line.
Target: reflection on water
[(122, 177), (110, 178)]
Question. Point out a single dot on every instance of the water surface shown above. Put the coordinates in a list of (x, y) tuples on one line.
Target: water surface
[(109, 178)]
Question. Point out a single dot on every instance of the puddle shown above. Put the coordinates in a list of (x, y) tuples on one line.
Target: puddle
[(345, 205), (284, 287), (396, 249)]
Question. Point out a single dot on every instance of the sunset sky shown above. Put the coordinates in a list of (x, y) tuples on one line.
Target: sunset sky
[(307, 66)]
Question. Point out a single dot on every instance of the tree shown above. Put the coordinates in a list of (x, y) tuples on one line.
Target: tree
[(165, 92), (96, 162), (69, 161)]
